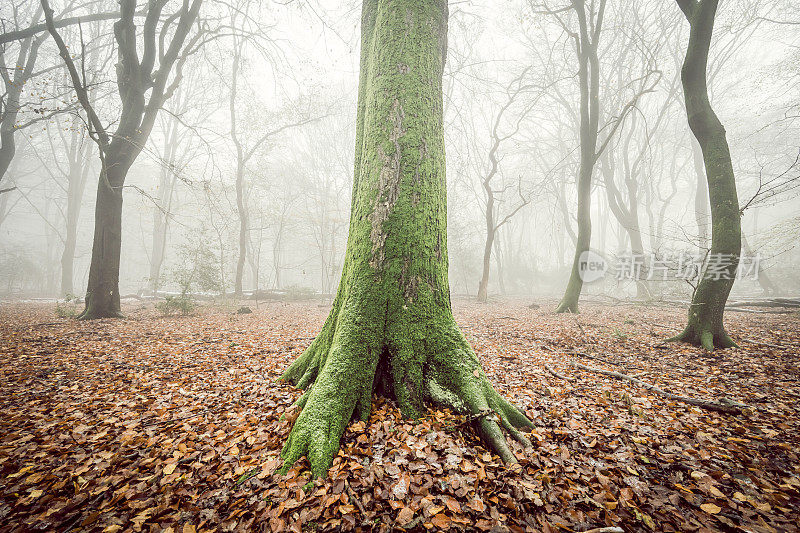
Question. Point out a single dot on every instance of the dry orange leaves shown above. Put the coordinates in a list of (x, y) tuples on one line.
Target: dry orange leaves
[(176, 424)]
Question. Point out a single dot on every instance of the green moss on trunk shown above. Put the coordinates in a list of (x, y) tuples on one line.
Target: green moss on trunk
[(391, 327), (705, 326)]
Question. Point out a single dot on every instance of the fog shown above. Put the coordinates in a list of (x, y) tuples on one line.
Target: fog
[(248, 170)]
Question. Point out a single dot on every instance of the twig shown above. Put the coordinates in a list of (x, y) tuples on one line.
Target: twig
[(559, 376), (759, 343), (355, 499), (723, 406), (605, 530), (594, 358)]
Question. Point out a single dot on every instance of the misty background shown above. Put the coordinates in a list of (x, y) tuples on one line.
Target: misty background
[(270, 103)]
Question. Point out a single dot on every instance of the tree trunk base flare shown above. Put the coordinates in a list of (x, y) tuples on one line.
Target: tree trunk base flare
[(99, 307), (706, 337), (412, 363), (483, 295), (567, 307)]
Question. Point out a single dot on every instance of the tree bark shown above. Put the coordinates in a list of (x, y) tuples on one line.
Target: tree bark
[(700, 197), (102, 293), (483, 286), (705, 326), (14, 80), (391, 330), (588, 77)]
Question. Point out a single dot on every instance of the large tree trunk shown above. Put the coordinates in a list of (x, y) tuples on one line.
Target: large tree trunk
[(7, 149), (708, 303), (102, 294), (391, 329)]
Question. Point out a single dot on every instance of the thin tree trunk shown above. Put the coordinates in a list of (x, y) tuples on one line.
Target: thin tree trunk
[(79, 153), (764, 281), (588, 77), (705, 325), (483, 286), (241, 208)]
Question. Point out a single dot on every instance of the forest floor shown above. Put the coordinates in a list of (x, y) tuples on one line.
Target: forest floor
[(175, 424)]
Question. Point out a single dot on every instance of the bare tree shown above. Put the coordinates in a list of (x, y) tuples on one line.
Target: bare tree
[(705, 325), (514, 90), (143, 89), (590, 19), (14, 80)]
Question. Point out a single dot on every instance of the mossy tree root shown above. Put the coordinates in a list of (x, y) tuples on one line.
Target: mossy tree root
[(705, 337), (567, 307), (352, 370)]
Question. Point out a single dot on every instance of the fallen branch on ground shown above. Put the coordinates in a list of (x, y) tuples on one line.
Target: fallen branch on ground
[(559, 376), (723, 406), (757, 311), (759, 343), (594, 358)]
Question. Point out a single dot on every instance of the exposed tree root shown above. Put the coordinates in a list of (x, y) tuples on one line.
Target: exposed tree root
[(342, 371), (724, 405), (705, 338), (567, 307)]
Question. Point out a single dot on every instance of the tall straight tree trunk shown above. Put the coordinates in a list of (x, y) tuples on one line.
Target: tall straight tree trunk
[(79, 152), (166, 190), (391, 329), (102, 293), (483, 286), (705, 327), (241, 208), (158, 244), (78, 173), (588, 77)]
